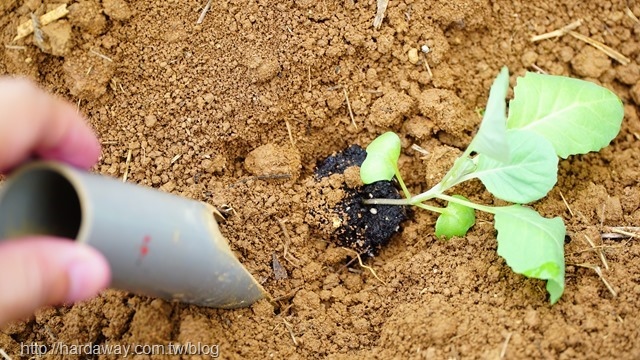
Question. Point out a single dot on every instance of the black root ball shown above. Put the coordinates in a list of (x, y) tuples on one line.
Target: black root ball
[(364, 228)]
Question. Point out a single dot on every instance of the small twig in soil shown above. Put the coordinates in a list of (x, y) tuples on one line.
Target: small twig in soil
[(598, 247), (631, 15), (285, 311), (566, 204), (290, 328), (558, 32), (362, 265), (539, 289), (538, 69), (115, 85), (381, 8), (346, 97), (309, 76), (407, 14), (602, 47), (287, 256), (584, 218), (225, 210), (503, 351), (204, 12), (596, 44), (175, 158), (15, 47), (350, 262), (38, 35), (599, 272), (346, 266), (613, 236), (426, 64), (419, 149), (287, 296), (4, 355), (26, 28), (423, 291), (621, 232), (102, 56), (604, 209), (598, 251), (289, 132), (126, 167)]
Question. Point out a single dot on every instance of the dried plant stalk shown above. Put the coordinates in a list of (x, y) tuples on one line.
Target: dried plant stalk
[(26, 28), (381, 9)]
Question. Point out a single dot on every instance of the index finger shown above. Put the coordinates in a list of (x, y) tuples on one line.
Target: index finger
[(35, 123)]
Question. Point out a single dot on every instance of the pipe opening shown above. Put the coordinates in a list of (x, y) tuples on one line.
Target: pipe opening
[(40, 201)]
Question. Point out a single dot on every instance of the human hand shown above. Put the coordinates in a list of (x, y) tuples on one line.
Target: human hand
[(40, 270)]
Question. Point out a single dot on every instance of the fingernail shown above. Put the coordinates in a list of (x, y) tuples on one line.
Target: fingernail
[(79, 147), (88, 275)]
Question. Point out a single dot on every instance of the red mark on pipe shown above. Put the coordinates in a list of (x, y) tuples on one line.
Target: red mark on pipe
[(144, 248)]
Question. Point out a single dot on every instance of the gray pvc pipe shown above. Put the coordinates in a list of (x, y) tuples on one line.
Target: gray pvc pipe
[(156, 243)]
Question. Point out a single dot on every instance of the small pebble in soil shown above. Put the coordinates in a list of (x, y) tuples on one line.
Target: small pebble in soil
[(364, 228), (413, 56)]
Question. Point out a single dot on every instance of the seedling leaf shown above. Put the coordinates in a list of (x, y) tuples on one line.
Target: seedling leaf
[(456, 220), (530, 173), (382, 158), (375, 169), (491, 137), (532, 245), (576, 116)]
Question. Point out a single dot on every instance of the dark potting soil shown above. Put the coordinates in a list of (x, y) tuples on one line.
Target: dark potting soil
[(337, 163), (364, 228)]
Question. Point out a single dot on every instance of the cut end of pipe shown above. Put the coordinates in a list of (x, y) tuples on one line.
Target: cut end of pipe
[(40, 202), (163, 245)]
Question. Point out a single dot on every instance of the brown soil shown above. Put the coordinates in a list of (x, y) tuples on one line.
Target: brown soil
[(209, 110)]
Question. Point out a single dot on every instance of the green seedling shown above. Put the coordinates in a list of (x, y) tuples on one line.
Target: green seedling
[(516, 158), (455, 219)]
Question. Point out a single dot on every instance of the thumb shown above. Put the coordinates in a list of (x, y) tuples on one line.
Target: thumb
[(35, 272)]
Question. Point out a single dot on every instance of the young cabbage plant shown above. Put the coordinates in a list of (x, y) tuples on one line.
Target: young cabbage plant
[(515, 156)]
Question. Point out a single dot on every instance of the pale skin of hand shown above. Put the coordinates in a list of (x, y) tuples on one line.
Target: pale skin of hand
[(39, 271)]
